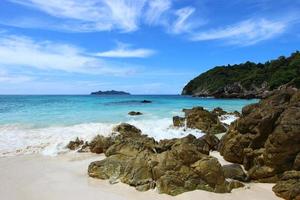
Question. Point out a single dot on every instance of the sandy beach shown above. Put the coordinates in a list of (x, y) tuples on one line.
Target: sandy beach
[(35, 177)]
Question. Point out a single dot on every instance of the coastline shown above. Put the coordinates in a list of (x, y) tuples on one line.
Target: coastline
[(30, 177)]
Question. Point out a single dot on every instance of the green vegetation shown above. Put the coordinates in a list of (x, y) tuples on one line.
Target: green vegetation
[(275, 73)]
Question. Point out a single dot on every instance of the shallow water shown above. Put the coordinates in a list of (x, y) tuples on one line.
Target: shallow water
[(44, 124)]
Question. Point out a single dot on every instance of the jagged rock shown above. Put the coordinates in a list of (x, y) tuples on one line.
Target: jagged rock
[(73, 145), (100, 144), (204, 120), (289, 186), (212, 141), (134, 113), (218, 111), (178, 121), (173, 166), (234, 171), (127, 130), (266, 139)]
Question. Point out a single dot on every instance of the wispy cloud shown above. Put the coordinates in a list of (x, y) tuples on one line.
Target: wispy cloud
[(182, 24), (157, 8), (20, 51), (6, 77), (244, 33), (103, 15), (124, 51)]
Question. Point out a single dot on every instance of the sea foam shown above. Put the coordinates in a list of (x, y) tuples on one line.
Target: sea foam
[(16, 139)]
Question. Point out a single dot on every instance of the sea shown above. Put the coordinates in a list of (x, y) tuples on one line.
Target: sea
[(44, 124)]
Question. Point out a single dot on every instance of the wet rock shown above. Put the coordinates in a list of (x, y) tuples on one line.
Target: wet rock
[(218, 111), (266, 138), (178, 121), (289, 186), (234, 171), (146, 101), (73, 145), (134, 113), (199, 118)]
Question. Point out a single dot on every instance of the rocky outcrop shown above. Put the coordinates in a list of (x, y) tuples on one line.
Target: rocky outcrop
[(199, 118), (73, 145), (111, 92), (266, 139), (172, 166), (289, 186), (134, 113)]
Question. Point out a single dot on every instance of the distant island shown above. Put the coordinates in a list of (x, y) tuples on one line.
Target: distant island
[(111, 92), (246, 80)]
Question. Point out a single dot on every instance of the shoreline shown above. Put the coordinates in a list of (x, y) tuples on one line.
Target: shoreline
[(30, 177)]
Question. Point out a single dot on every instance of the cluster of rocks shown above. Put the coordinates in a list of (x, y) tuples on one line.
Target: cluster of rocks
[(199, 118), (172, 166), (266, 140)]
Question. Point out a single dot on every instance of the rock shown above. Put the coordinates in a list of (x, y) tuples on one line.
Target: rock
[(73, 145), (146, 101), (266, 138), (289, 186), (218, 111), (127, 130), (133, 113), (296, 165), (178, 121), (202, 119), (235, 184), (172, 166), (234, 171), (212, 141), (100, 144)]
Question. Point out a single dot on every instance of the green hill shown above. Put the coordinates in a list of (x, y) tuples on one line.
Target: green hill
[(246, 80)]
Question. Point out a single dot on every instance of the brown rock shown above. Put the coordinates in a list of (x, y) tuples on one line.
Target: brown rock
[(73, 145), (178, 121)]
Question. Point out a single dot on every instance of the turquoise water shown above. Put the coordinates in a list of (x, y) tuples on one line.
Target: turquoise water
[(69, 110), (45, 124)]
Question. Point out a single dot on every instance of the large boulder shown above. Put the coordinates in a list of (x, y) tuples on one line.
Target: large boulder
[(266, 139), (234, 171), (100, 144), (172, 166), (199, 118), (289, 186)]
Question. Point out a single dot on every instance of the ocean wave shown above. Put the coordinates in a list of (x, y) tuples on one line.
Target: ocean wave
[(19, 139)]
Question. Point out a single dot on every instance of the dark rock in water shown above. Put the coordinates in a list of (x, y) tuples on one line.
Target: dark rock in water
[(289, 186), (133, 113), (178, 121), (204, 120), (234, 171), (111, 92), (73, 145), (266, 139), (218, 111), (146, 101), (172, 166)]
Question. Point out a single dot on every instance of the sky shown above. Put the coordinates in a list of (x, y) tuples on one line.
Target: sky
[(138, 46)]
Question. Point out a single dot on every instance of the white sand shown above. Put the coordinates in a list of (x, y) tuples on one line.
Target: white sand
[(36, 177)]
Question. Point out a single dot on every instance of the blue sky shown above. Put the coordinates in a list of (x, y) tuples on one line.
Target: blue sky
[(140, 46)]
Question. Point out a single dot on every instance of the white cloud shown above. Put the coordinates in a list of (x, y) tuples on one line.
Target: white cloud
[(181, 24), (19, 51), (124, 51), (103, 15), (247, 32), (156, 9)]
